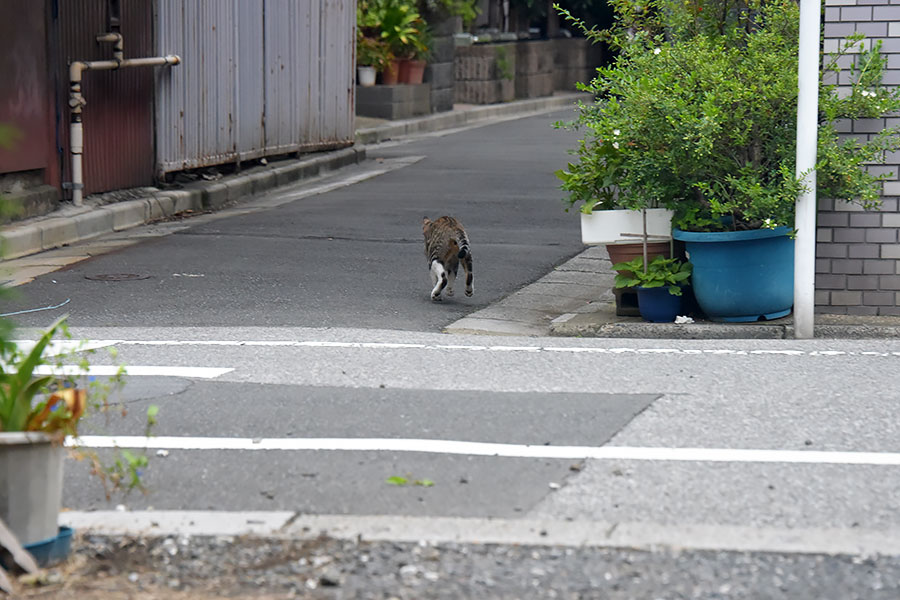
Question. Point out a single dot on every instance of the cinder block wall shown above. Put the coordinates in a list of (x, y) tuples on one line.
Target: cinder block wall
[(858, 252), (485, 73), (535, 68), (440, 70)]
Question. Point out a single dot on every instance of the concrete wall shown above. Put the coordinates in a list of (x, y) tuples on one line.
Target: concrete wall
[(500, 72), (858, 252), (485, 73)]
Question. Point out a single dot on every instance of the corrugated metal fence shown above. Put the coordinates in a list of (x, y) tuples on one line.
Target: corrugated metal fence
[(254, 79)]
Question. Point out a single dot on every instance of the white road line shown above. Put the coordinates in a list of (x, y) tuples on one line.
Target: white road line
[(494, 449), (531, 532), (134, 370), (498, 348)]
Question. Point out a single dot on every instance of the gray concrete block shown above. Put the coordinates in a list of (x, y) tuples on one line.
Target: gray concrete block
[(865, 220), (534, 86), (20, 241), (57, 232), (881, 236), (127, 214), (846, 235), (889, 282), (825, 281), (440, 75), (847, 266), (215, 195), (877, 266), (862, 282), (32, 202), (93, 224), (285, 175), (240, 187), (878, 298), (442, 100), (183, 200), (846, 298), (863, 251), (166, 204), (442, 50), (879, 13), (832, 219), (261, 181), (831, 250)]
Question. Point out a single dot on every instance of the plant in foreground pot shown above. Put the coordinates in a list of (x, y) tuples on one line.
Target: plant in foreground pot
[(43, 400), (371, 53), (706, 111), (659, 285), (399, 26)]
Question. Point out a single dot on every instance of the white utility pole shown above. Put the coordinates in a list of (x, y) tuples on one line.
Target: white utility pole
[(807, 143)]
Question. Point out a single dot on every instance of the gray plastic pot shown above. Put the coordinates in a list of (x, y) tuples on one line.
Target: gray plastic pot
[(31, 469)]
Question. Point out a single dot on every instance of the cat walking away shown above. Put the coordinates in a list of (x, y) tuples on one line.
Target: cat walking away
[(446, 246)]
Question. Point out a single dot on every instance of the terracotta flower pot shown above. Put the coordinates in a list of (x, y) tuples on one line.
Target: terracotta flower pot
[(412, 71), (391, 73), (625, 252)]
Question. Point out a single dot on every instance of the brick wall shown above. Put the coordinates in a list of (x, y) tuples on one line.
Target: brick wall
[(858, 252)]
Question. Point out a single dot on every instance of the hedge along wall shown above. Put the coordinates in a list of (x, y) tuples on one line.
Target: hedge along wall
[(858, 252)]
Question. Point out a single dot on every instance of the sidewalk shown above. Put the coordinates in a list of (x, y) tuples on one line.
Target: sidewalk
[(573, 300)]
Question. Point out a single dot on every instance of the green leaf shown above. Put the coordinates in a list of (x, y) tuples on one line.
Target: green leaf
[(397, 480), (424, 482)]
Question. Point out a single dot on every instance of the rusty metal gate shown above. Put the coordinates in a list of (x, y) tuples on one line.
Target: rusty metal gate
[(258, 78), (118, 118)]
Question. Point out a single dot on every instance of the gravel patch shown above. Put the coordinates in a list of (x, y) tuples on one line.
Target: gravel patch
[(177, 568)]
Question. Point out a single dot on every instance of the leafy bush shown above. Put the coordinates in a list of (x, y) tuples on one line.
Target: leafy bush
[(700, 110), (396, 23), (661, 271)]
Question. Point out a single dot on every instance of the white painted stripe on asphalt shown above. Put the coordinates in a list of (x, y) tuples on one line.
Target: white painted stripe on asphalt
[(498, 348), (134, 370), (494, 449), (543, 532)]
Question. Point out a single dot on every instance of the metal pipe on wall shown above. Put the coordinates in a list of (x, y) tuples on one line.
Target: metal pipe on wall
[(77, 101)]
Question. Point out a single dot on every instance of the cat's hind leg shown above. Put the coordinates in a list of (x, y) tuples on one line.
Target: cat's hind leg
[(470, 278), (451, 279), (439, 277)]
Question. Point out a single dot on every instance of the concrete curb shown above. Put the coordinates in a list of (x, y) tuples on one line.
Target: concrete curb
[(461, 118), (463, 530), (71, 224)]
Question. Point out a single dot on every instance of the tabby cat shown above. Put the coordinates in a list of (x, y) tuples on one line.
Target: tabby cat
[(446, 245)]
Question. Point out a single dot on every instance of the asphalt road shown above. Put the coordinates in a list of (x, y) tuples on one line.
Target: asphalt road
[(352, 257)]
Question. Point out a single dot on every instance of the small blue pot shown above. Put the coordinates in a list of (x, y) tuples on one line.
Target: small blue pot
[(741, 276), (657, 305)]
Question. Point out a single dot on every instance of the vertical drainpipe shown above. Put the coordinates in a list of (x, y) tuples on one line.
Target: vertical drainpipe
[(76, 132), (807, 145)]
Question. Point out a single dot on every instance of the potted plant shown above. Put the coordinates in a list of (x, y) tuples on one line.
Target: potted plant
[(397, 24), (659, 285), (609, 214), (38, 412), (705, 103), (372, 57)]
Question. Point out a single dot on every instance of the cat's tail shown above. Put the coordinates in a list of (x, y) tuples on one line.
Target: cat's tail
[(463, 243)]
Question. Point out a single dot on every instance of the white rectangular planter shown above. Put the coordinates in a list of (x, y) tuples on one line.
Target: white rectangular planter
[(608, 226), (31, 468)]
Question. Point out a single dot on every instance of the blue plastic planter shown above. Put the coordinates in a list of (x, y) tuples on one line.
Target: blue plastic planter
[(741, 275), (47, 552), (657, 305)]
